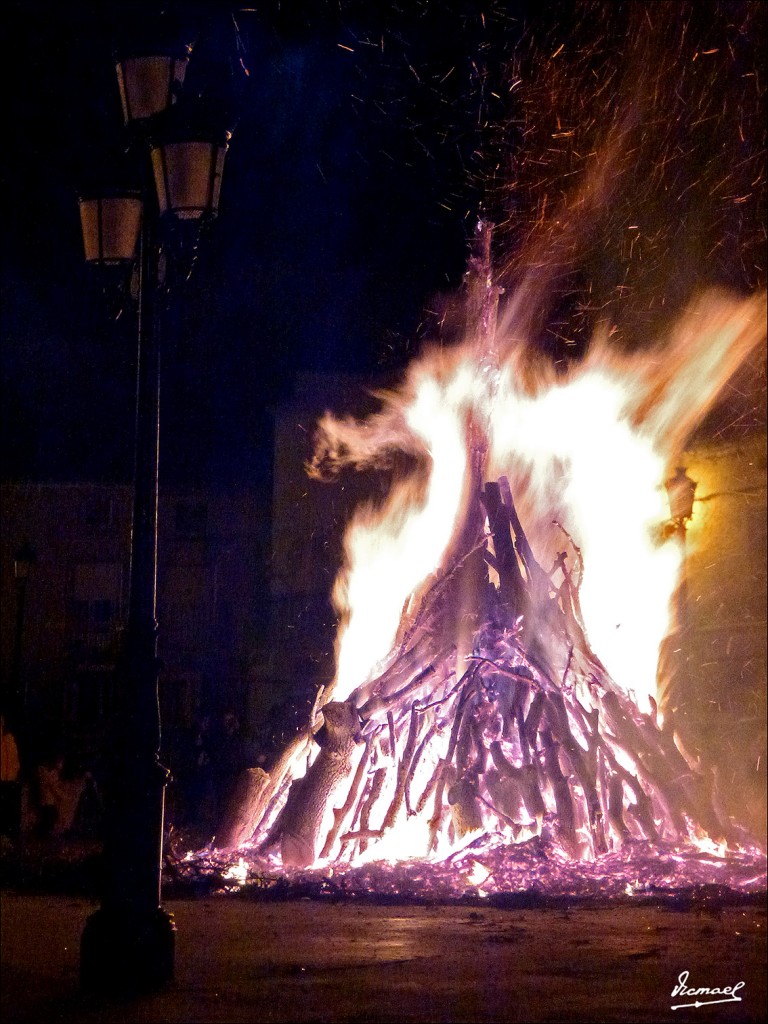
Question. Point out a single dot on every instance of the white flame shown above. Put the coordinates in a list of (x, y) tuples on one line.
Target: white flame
[(237, 872), (591, 452), (392, 551), (602, 480)]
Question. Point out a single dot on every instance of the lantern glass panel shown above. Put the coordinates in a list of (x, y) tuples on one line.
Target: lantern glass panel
[(149, 85), (110, 226), (188, 178)]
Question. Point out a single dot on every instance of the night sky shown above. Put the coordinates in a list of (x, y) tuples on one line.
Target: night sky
[(345, 204), (365, 138)]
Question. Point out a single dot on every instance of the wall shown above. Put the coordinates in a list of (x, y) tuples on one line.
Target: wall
[(720, 694), (212, 602)]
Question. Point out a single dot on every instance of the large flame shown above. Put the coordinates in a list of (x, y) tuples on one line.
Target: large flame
[(587, 457)]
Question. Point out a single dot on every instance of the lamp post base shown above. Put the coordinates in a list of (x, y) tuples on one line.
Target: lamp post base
[(127, 952)]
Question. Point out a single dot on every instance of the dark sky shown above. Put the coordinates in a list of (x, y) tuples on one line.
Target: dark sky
[(366, 135), (348, 191)]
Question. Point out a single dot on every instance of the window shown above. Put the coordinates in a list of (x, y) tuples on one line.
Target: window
[(94, 612)]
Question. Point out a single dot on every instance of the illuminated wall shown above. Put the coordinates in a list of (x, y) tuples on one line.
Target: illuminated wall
[(721, 694)]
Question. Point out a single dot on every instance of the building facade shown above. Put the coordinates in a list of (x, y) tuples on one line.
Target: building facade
[(212, 605)]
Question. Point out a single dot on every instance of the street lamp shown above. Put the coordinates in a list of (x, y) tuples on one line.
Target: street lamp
[(110, 223), (681, 491), (128, 944), (152, 81)]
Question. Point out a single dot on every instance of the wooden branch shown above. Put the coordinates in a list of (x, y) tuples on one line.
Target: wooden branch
[(528, 778), (577, 585), (378, 703), (300, 820), (377, 784), (462, 799), (537, 578), (511, 583), (429, 650), (502, 817), (437, 815), (361, 836), (586, 773), (239, 821), (403, 772), (629, 737), (431, 597), (433, 729), (340, 813), (616, 805), (505, 793), (515, 674), (566, 815), (311, 727), (642, 811), (531, 724), (280, 774), (442, 700)]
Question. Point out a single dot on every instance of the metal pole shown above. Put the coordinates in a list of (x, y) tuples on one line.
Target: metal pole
[(128, 944)]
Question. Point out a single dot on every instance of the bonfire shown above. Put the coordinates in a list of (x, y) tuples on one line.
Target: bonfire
[(494, 717), (480, 701)]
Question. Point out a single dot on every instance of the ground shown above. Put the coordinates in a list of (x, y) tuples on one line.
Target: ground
[(241, 959)]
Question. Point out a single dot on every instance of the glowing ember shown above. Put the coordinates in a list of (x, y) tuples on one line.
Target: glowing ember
[(237, 872)]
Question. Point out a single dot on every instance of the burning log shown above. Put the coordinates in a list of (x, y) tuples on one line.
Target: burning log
[(566, 814), (340, 813), (243, 806), (298, 826), (403, 772), (370, 796)]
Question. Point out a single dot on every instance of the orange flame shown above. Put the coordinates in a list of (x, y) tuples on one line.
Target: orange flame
[(588, 453)]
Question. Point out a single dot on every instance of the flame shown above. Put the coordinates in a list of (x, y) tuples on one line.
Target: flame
[(589, 453), (393, 549), (237, 872), (609, 247)]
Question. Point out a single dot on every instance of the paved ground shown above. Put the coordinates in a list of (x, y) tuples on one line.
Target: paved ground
[(240, 960)]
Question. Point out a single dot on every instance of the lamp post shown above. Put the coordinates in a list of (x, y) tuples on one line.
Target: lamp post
[(128, 943), (681, 492)]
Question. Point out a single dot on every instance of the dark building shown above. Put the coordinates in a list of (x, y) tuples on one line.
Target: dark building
[(213, 605)]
